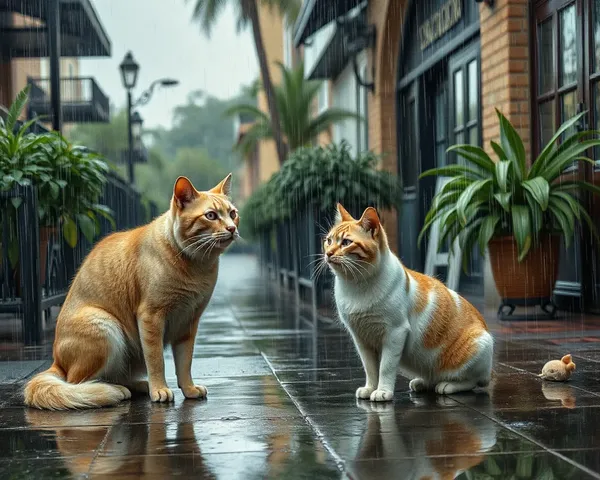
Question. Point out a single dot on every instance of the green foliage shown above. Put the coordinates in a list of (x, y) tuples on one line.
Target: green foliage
[(201, 123), (318, 177), (109, 139), (68, 194), (487, 199), (206, 12), (155, 179), (295, 101), (69, 179)]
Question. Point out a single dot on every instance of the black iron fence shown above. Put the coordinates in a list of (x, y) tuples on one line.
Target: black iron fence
[(36, 265), (290, 252)]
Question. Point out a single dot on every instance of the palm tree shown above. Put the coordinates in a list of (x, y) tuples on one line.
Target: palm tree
[(206, 13), (295, 100)]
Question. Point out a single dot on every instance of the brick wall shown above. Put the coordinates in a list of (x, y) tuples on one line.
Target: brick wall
[(387, 16), (505, 76), (505, 83)]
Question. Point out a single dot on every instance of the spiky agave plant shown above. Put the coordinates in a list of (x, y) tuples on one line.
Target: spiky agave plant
[(487, 199)]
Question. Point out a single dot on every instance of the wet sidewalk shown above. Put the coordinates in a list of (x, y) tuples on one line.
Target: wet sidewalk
[(281, 405)]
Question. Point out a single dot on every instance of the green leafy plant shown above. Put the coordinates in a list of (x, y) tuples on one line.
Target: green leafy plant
[(318, 177), (69, 179), (486, 199), (295, 98), (68, 194)]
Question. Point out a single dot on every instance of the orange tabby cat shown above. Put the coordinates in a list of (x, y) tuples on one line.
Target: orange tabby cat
[(137, 292), (401, 318)]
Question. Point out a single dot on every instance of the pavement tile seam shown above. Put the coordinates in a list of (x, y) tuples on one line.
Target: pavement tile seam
[(101, 446), (530, 439), (337, 459)]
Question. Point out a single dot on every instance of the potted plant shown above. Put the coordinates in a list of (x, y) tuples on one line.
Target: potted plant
[(22, 159), (68, 179), (317, 178), (519, 211), (300, 198)]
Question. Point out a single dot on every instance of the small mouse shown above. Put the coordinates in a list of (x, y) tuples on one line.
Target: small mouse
[(558, 370)]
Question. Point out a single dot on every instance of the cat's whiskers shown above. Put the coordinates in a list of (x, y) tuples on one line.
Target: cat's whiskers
[(195, 241), (320, 268)]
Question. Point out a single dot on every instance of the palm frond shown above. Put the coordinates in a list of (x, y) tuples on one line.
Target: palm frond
[(206, 13)]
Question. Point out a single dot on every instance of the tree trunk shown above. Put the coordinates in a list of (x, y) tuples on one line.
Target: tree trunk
[(251, 11)]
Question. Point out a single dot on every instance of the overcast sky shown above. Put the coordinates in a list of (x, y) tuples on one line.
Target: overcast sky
[(166, 43)]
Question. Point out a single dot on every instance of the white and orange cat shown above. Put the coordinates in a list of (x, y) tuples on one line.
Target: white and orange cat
[(135, 293), (401, 318)]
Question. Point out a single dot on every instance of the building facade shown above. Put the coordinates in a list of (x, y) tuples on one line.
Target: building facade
[(434, 71), (26, 48)]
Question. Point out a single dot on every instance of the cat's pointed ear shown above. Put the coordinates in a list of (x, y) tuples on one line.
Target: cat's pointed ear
[(370, 221), (566, 359), (184, 192), (342, 215), (224, 187)]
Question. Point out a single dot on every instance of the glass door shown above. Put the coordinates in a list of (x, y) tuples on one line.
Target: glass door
[(465, 127), (409, 168), (558, 95), (591, 267)]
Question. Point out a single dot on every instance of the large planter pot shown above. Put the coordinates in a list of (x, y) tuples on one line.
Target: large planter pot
[(534, 277)]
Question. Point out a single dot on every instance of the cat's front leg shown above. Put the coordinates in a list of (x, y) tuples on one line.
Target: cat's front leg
[(368, 358), (391, 352), (152, 328), (183, 352)]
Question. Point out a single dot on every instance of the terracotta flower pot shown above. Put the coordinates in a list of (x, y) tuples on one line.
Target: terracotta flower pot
[(534, 277)]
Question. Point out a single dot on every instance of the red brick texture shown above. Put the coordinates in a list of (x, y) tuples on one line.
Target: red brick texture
[(505, 64), (387, 16)]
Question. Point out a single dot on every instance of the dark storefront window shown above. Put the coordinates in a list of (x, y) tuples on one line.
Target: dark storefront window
[(438, 105), (566, 36)]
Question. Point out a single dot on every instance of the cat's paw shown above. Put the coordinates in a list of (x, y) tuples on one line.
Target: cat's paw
[(125, 391), (194, 391), (381, 395), (448, 388), (161, 395), (364, 392), (418, 385)]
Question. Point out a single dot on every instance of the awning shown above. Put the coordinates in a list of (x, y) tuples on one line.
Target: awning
[(315, 14), (82, 34), (335, 55)]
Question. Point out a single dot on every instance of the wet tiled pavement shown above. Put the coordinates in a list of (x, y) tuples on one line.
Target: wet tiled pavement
[(281, 405)]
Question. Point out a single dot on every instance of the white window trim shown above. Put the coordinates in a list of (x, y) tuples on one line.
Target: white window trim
[(324, 88), (287, 43)]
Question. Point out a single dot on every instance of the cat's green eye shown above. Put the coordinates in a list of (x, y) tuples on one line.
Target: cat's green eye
[(211, 215), (328, 241), (233, 214), (346, 242)]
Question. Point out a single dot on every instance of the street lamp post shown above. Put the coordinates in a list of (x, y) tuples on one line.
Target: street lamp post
[(136, 130), (129, 75)]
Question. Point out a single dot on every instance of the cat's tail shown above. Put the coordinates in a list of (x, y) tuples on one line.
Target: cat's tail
[(49, 390)]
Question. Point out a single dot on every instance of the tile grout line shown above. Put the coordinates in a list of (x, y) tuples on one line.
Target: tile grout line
[(339, 462), (530, 439), (101, 446)]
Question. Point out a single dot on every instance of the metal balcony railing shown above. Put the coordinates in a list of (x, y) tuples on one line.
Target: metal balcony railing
[(81, 98)]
